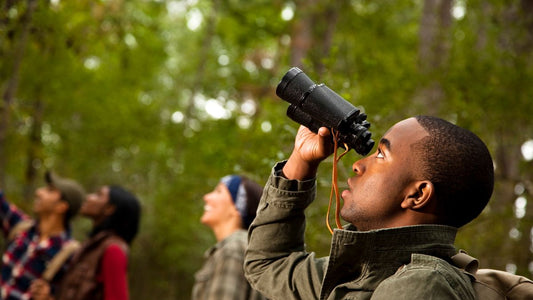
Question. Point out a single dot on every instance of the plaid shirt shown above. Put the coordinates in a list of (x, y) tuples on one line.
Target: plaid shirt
[(222, 276), (26, 256)]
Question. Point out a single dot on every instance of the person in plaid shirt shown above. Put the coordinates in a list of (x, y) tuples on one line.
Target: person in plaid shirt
[(229, 210), (30, 245)]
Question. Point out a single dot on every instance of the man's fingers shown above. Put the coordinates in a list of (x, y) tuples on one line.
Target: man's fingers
[(323, 131)]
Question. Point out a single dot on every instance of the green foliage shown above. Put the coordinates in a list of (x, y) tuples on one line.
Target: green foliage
[(124, 89)]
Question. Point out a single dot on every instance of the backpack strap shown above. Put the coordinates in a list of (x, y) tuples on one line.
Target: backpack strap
[(18, 228), (466, 262), (493, 284), (59, 259)]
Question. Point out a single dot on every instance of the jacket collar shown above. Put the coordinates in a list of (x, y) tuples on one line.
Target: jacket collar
[(355, 252), (374, 244)]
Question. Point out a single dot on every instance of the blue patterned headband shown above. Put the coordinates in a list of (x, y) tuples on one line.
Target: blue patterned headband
[(238, 195)]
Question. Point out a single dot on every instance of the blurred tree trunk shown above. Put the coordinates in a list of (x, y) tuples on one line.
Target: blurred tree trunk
[(202, 59), (507, 175), (329, 18), (527, 13), (516, 38), (302, 33), (10, 85), (316, 26), (433, 52), (510, 236), (34, 157)]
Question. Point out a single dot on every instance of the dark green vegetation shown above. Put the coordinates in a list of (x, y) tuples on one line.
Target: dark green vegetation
[(122, 92)]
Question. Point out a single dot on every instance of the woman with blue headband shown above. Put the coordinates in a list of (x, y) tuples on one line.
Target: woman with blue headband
[(229, 210)]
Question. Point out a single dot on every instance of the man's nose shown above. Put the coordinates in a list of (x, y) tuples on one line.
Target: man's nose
[(359, 167)]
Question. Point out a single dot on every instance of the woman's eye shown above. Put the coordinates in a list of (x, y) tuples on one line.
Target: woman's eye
[(379, 155)]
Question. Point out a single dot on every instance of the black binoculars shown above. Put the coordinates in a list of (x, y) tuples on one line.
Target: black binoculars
[(315, 105)]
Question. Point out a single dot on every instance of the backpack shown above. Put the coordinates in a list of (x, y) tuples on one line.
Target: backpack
[(492, 284)]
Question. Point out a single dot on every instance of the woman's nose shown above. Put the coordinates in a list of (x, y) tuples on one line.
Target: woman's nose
[(206, 197)]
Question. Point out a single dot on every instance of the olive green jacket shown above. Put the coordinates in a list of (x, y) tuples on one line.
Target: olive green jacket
[(397, 263)]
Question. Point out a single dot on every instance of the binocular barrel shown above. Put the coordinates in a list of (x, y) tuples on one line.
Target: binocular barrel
[(316, 105)]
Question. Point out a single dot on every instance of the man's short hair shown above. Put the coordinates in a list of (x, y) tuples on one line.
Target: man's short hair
[(460, 167)]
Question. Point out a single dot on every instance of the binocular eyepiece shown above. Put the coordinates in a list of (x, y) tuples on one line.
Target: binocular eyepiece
[(315, 105)]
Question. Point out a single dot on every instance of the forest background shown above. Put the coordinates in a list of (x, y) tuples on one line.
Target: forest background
[(166, 97)]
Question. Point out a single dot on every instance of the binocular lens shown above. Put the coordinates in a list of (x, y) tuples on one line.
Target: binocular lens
[(294, 86), (316, 105)]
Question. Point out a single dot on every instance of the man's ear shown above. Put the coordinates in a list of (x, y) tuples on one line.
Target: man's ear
[(419, 195), (62, 207)]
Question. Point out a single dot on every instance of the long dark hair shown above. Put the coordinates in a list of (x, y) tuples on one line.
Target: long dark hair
[(124, 221)]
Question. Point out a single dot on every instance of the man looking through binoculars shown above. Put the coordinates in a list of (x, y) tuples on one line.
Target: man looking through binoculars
[(404, 204)]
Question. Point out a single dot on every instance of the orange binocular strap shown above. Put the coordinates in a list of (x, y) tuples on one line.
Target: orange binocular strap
[(334, 186)]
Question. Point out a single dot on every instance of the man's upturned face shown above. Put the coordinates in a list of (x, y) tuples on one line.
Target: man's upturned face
[(382, 179), (46, 200)]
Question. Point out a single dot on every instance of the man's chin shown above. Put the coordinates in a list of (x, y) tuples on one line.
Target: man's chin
[(347, 214)]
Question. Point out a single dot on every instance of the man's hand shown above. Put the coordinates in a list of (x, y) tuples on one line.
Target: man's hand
[(40, 290), (309, 150)]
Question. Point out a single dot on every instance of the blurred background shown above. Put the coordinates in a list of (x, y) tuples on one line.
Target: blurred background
[(166, 97)]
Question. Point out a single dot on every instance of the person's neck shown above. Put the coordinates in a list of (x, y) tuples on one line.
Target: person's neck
[(222, 231), (50, 225)]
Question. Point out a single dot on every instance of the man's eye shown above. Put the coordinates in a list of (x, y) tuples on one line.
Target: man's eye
[(379, 155)]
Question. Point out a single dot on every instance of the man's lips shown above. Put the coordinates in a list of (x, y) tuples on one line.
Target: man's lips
[(348, 191), (345, 194)]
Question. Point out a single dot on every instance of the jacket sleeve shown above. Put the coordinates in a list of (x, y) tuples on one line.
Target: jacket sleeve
[(10, 215), (114, 265), (276, 263)]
